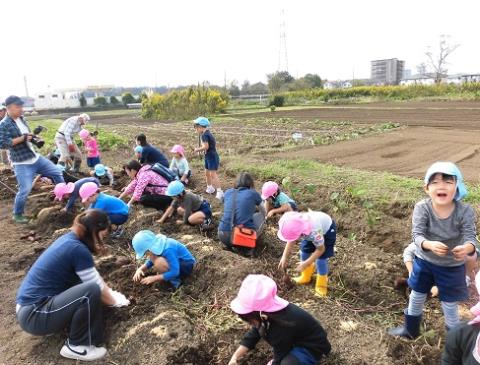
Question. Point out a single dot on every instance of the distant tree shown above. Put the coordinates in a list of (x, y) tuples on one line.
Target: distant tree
[(245, 90), (114, 100), (313, 80), (438, 60), (83, 100), (258, 88), (278, 81), (127, 98), (143, 95), (233, 88), (100, 101), (422, 69)]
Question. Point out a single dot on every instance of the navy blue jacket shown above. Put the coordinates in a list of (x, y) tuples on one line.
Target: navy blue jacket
[(150, 156)]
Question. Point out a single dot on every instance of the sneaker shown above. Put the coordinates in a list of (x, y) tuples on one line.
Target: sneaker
[(82, 353), (118, 232), (210, 189), (219, 195), (207, 225), (20, 219)]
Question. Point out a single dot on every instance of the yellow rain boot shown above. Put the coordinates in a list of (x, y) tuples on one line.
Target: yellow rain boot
[(306, 275), (321, 285)]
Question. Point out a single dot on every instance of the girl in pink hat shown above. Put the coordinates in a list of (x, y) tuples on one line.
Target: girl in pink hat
[(91, 147), (317, 233), (276, 201), (296, 336), (179, 164)]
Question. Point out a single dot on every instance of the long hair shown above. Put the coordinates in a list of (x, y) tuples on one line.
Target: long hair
[(88, 225)]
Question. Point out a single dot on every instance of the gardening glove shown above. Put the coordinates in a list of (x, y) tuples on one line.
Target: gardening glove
[(71, 148), (120, 299)]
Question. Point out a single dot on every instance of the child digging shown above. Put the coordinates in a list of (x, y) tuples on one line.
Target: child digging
[(169, 258), (296, 337), (443, 229), (193, 208), (212, 160), (318, 234), (276, 201)]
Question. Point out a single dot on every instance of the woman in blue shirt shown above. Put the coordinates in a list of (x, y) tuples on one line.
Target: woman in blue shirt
[(63, 289), (247, 201)]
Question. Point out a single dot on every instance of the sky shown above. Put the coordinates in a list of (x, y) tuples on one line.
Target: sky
[(72, 44)]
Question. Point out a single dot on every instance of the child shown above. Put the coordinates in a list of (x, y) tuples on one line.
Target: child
[(212, 160), (72, 191), (296, 336), (91, 147), (115, 208), (104, 174), (318, 233), (443, 230), (194, 209), (276, 201), (179, 164), (169, 258)]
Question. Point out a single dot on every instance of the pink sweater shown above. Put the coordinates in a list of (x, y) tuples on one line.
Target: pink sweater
[(144, 177), (92, 148)]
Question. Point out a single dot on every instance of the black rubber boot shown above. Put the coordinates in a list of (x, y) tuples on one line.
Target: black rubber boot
[(410, 329)]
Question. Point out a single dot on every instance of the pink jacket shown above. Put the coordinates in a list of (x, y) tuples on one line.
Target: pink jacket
[(146, 176), (92, 148)]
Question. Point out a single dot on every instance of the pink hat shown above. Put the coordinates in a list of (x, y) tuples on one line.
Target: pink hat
[(292, 225), (61, 189), (178, 149), (269, 189), (257, 293), (84, 134), (87, 190)]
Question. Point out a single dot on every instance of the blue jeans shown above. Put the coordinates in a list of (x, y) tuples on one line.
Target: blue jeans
[(25, 175)]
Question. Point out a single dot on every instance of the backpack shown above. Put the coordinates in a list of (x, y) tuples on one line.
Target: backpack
[(164, 172)]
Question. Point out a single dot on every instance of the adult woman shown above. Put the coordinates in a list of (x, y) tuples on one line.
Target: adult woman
[(242, 202), (146, 187), (64, 290)]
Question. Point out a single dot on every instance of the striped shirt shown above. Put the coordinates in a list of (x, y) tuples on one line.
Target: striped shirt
[(69, 127)]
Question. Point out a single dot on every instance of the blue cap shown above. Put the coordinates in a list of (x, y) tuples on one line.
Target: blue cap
[(13, 99), (100, 170), (448, 168), (175, 188), (146, 240), (138, 149), (202, 121)]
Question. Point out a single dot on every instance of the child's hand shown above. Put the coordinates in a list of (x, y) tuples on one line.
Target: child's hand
[(149, 280), (270, 214), (460, 252), (179, 222), (138, 275), (282, 265), (302, 266), (438, 248)]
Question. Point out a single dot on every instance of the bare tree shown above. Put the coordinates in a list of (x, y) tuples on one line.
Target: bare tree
[(422, 69), (438, 61)]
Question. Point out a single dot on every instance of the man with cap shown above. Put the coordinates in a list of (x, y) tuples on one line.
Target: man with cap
[(65, 142), (15, 136)]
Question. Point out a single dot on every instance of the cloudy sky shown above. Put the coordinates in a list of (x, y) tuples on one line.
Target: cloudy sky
[(69, 44)]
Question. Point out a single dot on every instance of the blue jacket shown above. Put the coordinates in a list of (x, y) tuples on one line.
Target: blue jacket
[(151, 155), (8, 131)]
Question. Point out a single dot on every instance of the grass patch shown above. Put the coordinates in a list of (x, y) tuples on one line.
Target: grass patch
[(107, 140)]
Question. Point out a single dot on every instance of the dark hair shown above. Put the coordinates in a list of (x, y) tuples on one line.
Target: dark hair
[(271, 317), (88, 224), (133, 165), (142, 139), (445, 177), (244, 180)]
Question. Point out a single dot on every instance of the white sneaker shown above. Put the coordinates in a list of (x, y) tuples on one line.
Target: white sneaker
[(210, 189), (82, 353), (219, 195)]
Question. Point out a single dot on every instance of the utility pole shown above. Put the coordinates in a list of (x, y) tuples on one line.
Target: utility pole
[(283, 44), (26, 85)]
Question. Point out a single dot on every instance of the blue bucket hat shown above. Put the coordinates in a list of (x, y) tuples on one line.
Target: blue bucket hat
[(146, 240), (202, 121), (100, 170), (448, 168), (175, 188), (138, 149)]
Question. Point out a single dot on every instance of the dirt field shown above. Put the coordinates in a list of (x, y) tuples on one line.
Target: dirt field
[(194, 325)]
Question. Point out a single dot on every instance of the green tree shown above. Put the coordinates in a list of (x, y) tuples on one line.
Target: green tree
[(313, 80), (127, 98), (83, 101), (279, 81), (233, 89), (114, 100), (100, 101)]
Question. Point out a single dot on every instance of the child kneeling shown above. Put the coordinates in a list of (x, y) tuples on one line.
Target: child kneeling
[(443, 230), (296, 336), (194, 209), (276, 201), (169, 258)]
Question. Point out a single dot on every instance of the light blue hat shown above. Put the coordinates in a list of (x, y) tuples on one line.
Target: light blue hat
[(100, 170), (146, 240), (202, 121), (138, 149), (448, 168), (60, 168), (175, 188)]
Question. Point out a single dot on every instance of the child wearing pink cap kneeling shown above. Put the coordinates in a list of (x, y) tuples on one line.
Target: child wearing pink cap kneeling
[(179, 164), (296, 336), (318, 234)]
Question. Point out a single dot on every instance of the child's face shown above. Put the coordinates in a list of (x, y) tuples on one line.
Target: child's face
[(91, 200), (177, 156), (440, 190), (198, 129)]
